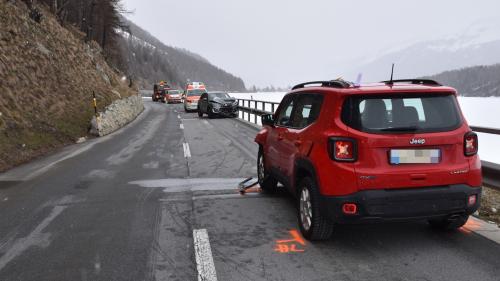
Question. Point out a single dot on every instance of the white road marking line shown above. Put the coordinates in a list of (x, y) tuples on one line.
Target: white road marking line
[(181, 126), (233, 195), (483, 228), (187, 152), (203, 252), (173, 185), (35, 238)]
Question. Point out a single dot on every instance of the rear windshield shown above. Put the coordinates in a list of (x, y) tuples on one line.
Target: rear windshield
[(402, 113)]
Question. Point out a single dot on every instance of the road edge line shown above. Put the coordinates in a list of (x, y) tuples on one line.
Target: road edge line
[(483, 229)]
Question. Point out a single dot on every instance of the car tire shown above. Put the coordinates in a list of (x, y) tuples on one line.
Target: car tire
[(266, 181), (449, 223), (210, 114), (200, 114), (313, 225)]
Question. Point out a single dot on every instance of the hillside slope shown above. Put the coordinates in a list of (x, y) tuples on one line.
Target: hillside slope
[(476, 81), (476, 45), (149, 61), (47, 76)]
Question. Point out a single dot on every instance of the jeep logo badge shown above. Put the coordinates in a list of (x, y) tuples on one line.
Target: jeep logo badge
[(417, 141)]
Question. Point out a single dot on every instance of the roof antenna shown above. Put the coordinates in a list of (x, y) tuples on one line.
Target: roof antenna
[(392, 74), (358, 80)]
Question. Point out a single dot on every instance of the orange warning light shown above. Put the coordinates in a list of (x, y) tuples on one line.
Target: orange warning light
[(290, 245)]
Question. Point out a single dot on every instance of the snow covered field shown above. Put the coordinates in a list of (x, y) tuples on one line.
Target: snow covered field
[(483, 112)]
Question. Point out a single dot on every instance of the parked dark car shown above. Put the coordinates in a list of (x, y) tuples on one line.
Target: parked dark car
[(217, 104)]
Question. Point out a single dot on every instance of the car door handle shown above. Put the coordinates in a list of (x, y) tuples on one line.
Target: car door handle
[(280, 137), (297, 143)]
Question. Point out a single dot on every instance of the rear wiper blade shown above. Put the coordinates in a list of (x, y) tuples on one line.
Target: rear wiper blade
[(397, 129)]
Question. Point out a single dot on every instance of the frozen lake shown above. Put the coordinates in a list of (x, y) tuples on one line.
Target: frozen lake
[(483, 112)]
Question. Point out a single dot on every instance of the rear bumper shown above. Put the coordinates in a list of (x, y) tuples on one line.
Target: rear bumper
[(191, 106), (177, 100), (402, 204)]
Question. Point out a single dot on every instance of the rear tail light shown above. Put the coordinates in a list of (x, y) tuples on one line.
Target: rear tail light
[(349, 208), (343, 149), (470, 144), (471, 200)]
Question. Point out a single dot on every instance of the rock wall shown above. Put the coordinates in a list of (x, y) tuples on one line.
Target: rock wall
[(116, 115), (48, 73)]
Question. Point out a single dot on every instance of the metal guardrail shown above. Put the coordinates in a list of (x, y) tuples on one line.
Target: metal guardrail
[(252, 110), (491, 171), (485, 130)]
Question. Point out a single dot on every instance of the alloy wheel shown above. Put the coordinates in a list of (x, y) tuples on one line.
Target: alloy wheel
[(261, 174), (305, 208)]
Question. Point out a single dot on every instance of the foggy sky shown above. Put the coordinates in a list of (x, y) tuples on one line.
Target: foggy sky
[(283, 42)]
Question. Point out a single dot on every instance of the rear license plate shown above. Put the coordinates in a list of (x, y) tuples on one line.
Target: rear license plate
[(415, 156)]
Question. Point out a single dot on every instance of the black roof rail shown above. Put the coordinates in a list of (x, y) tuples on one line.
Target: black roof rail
[(414, 81), (332, 83)]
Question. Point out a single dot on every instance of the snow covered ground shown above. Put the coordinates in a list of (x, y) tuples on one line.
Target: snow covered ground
[(484, 112)]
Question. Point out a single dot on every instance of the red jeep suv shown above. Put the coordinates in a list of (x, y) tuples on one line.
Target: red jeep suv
[(395, 150)]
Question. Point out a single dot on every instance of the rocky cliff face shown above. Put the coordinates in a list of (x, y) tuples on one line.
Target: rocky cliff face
[(47, 77)]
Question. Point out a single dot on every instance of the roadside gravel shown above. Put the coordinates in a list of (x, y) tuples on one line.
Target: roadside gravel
[(490, 205)]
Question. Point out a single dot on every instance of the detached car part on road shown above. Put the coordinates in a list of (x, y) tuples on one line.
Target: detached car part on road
[(396, 150), (217, 104)]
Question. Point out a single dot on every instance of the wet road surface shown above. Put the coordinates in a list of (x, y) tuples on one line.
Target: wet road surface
[(131, 205)]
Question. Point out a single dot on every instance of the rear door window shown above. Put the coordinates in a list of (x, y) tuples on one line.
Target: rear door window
[(402, 113), (307, 109), (284, 117)]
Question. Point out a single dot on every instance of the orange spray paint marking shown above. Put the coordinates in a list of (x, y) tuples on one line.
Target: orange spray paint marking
[(253, 190), (472, 225), (291, 245)]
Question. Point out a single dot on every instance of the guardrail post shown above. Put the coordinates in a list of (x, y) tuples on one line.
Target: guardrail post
[(255, 114), (248, 113)]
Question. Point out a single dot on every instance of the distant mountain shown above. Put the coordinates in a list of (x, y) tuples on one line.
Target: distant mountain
[(477, 45), (148, 60), (477, 81)]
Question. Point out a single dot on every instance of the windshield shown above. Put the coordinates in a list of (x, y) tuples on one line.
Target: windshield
[(386, 114), (175, 92), (195, 92), (220, 95)]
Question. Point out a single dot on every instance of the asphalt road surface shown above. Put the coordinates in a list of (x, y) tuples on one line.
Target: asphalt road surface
[(158, 201)]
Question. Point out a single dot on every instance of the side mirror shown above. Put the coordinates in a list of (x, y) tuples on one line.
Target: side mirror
[(267, 120)]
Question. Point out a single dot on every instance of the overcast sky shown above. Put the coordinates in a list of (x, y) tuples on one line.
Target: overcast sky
[(281, 42)]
